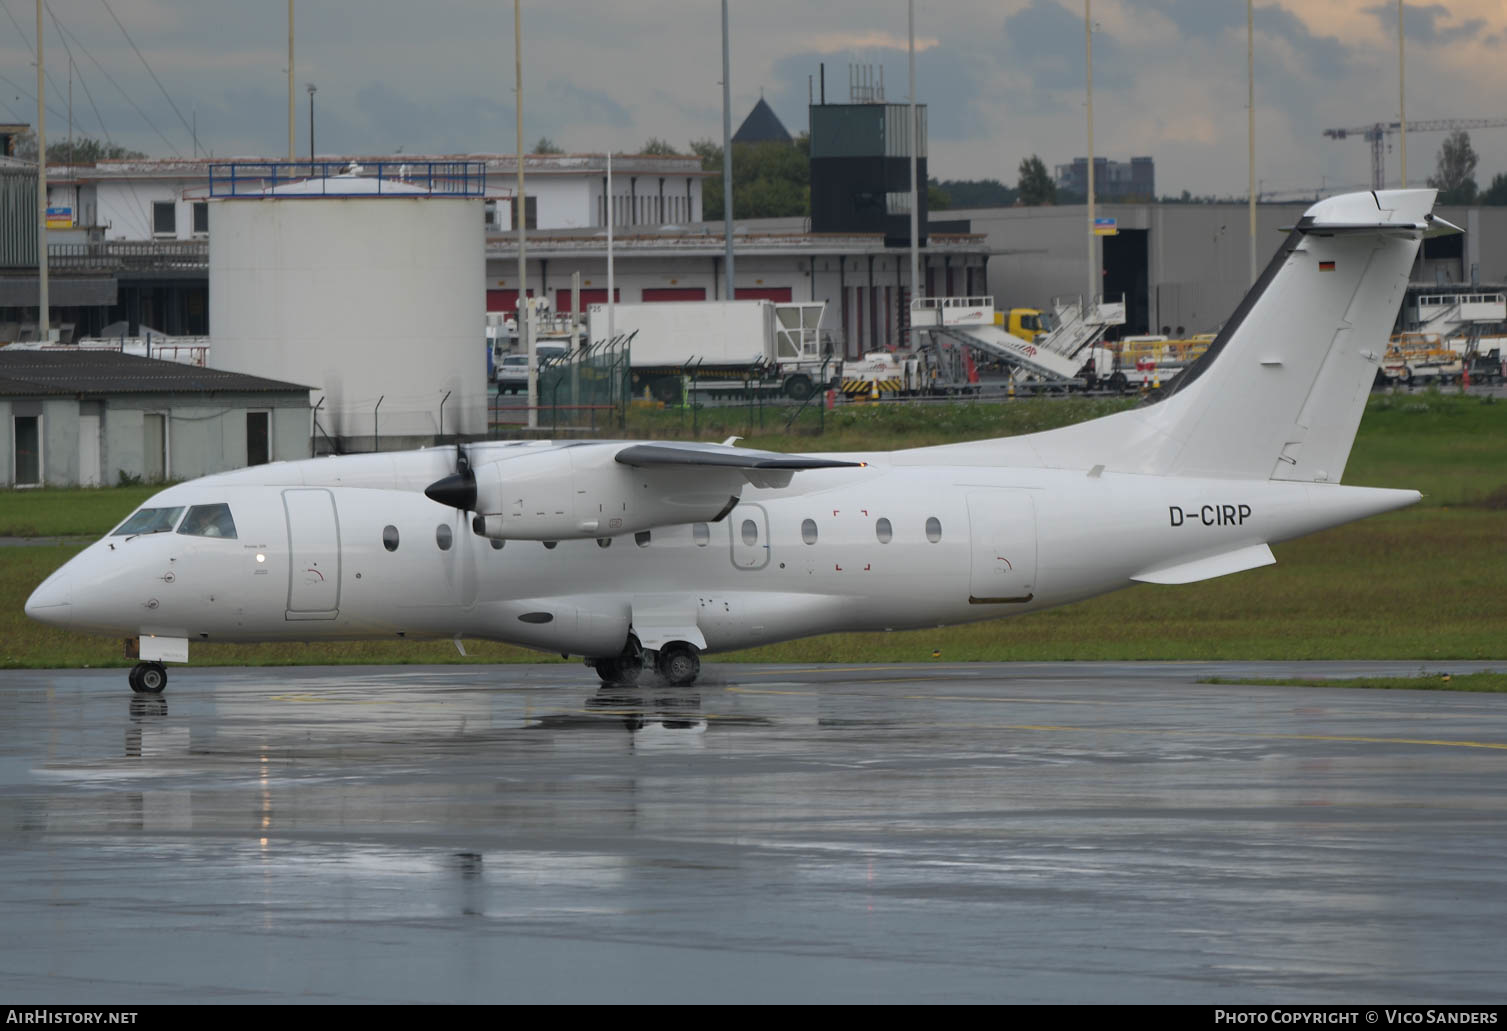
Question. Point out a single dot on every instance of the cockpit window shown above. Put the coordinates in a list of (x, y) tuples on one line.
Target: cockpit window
[(209, 521), (149, 520)]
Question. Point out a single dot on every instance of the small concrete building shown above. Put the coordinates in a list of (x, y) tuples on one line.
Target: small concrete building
[(92, 418)]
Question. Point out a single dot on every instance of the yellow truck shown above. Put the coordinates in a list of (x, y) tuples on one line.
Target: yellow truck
[(1025, 323)]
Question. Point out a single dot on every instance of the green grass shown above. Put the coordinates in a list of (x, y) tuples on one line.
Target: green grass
[(1429, 582), (1488, 683), (872, 427), (68, 511), (1453, 448)]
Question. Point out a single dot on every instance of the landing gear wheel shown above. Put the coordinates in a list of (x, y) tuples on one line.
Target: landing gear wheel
[(679, 664), (625, 668), (148, 678)]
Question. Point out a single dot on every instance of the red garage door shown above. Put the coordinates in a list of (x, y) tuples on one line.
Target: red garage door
[(780, 294), (588, 298), (674, 293), (504, 301)]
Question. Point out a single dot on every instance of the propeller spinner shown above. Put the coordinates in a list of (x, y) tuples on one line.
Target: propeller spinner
[(458, 490)]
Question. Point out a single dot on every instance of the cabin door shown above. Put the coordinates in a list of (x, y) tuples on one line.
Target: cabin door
[(313, 554), (1002, 539), (750, 531)]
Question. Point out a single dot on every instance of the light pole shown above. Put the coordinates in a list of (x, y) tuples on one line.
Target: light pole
[(915, 187), (1402, 98), (1095, 278), (731, 288), (1250, 66), (44, 308), (312, 90), (291, 154)]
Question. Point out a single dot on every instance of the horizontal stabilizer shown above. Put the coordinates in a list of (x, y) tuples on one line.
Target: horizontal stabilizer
[(1209, 567)]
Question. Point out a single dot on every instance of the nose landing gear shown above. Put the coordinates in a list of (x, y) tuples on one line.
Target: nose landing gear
[(147, 678), (623, 668)]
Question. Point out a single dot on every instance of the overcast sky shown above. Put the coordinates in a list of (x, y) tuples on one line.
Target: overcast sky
[(1003, 80)]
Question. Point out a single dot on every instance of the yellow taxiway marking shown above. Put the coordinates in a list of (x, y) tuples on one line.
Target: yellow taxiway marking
[(851, 669), (767, 690), (324, 700), (926, 697), (1176, 731)]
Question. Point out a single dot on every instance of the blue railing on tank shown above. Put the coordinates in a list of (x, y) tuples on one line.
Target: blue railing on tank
[(294, 179)]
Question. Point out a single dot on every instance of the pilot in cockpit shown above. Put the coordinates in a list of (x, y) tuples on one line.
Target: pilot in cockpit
[(208, 521)]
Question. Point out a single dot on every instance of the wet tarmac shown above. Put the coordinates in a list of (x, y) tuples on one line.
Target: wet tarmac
[(932, 833)]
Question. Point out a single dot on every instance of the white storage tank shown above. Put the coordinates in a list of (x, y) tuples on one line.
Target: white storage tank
[(368, 286)]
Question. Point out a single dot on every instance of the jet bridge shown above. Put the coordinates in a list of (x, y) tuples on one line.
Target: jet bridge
[(1057, 355)]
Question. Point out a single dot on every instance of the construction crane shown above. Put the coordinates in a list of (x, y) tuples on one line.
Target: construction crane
[(1377, 134)]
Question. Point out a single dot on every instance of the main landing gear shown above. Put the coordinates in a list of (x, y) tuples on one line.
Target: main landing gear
[(678, 663), (148, 678)]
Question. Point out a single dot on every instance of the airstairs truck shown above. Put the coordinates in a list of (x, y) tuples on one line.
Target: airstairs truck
[(1070, 356)]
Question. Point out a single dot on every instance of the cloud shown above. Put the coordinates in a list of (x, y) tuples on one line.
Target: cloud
[(1045, 41), (1423, 23), (832, 42)]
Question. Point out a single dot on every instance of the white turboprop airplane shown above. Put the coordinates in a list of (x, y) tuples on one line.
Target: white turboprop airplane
[(632, 554)]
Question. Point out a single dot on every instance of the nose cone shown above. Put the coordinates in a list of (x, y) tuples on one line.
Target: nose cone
[(52, 602)]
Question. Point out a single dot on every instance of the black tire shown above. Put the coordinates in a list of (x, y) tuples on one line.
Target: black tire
[(134, 679), (799, 387), (1118, 383), (623, 669), (679, 664), (151, 677)]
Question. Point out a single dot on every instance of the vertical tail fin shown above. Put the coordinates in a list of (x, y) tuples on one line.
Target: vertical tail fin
[(1280, 392)]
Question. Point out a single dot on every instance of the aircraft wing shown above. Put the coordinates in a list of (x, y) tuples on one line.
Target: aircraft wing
[(640, 455)]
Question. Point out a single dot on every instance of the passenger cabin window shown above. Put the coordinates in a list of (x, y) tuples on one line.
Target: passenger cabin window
[(209, 521), (642, 538), (933, 529), (443, 537), (750, 531), (808, 531), (884, 531), (390, 538), (702, 534), (149, 520)]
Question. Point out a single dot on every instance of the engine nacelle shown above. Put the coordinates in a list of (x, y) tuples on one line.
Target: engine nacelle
[(580, 492)]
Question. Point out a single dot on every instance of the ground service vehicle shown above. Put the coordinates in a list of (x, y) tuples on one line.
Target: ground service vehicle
[(764, 344)]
